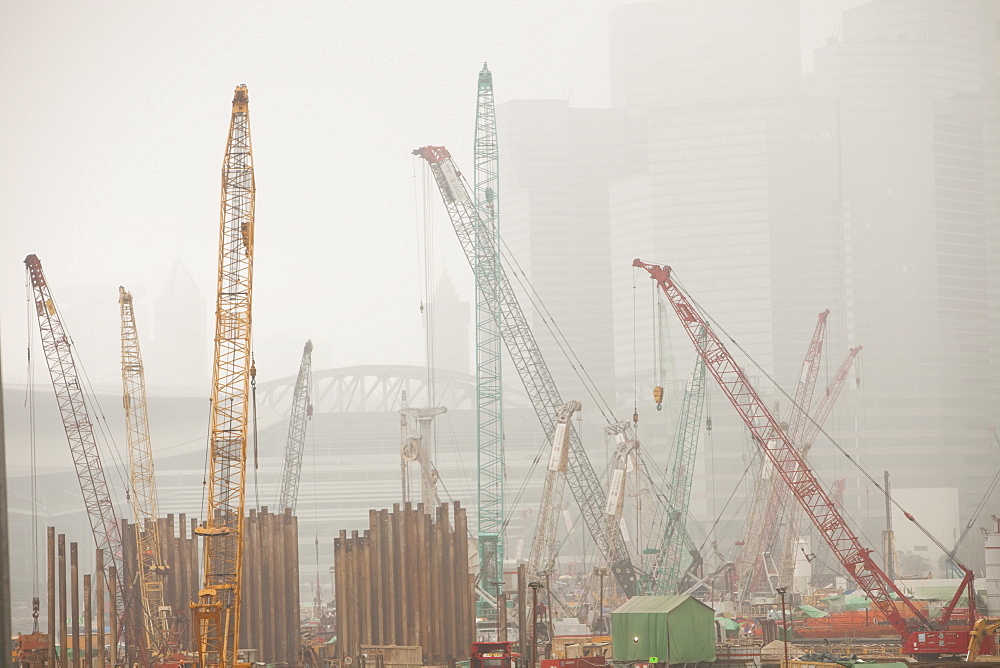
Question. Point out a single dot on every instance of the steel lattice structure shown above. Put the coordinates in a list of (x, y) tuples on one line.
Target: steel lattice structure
[(543, 548), (764, 520), (807, 436), (489, 378), (784, 456), (291, 470), (151, 567), (531, 367), (57, 349), (668, 565), (216, 616)]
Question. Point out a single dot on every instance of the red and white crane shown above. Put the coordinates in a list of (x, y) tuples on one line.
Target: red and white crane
[(58, 351), (771, 496), (919, 634)]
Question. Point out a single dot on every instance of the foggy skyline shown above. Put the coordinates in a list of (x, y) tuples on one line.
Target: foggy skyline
[(116, 136)]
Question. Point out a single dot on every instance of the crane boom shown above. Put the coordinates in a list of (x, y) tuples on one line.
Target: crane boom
[(543, 547), (151, 567), (764, 520), (291, 470), (531, 366), (58, 352), (667, 567), (812, 427), (216, 615), (920, 637)]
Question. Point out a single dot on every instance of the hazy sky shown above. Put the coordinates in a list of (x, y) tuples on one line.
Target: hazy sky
[(115, 117)]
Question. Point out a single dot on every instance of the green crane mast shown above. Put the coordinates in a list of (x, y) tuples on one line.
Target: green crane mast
[(489, 410), (668, 566)]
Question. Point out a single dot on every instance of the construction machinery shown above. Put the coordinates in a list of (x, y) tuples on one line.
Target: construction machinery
[(151, 568), (919, 634), (291, 470), (68, 384), (770, 495), (527, 357), (982, 638), (485, 261), (809, 433), (667, 569), (216, 615), (416, 424), (543, 554), (624, 460)]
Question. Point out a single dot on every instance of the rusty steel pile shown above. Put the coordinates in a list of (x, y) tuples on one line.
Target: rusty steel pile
[(405, 581), (270, 601)]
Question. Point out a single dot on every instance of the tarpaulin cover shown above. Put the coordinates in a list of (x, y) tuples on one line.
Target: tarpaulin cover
[(674, 629), (811, 611)]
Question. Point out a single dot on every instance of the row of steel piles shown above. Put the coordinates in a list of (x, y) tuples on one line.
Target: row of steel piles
[(77, 615), (179, 549), (270, 587), (270, 611), (405, 581)]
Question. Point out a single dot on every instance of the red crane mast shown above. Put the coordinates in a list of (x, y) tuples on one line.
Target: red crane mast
[(771, 497), (919, 635)]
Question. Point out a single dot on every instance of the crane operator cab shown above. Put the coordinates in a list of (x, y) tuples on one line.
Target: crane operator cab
[(492, 655)]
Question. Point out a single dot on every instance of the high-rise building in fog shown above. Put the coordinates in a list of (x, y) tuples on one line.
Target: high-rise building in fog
[(670, 52), (916, 87), (180, 337), (736, 189), (871, 188), (450, 323), (556, 163)]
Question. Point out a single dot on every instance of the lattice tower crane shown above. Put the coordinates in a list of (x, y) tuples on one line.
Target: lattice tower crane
[(291, 470), (543, 554), (489, 377), (809, 433), (216, 615), (527, 357), (58, 352), (667, 569), (771, 497), (151, 567), (919, 634)]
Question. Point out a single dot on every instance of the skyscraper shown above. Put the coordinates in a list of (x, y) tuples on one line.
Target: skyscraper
[(556, 165), (180, 336), (916, 84)]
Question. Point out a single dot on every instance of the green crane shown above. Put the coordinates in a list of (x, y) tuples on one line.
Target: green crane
[(668, 565), (489, 410)]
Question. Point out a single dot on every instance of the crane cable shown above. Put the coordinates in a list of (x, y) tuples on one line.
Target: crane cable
[(560, 338), (32, 447), (253, 394), (818, 426)]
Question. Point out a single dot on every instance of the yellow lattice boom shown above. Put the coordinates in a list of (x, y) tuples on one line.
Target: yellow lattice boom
[(140, 457), (216, 616)]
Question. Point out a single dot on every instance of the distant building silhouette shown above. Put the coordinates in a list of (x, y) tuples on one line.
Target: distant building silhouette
[(556, 162), (181, 339), (450, 322), (670, 52), (916, 87), (871, 187)]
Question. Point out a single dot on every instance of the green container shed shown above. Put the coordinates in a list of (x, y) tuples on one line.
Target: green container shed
[(670, 629)]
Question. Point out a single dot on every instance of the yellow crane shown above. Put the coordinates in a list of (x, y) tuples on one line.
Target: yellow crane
[(151, 568), (216, 615)]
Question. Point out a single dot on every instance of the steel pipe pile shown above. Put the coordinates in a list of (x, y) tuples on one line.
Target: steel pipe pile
[(405, 581)]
